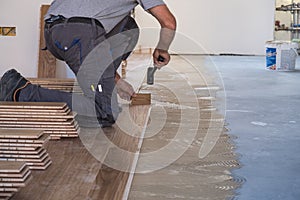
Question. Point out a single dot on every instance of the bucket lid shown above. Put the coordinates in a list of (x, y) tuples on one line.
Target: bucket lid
[(283, 42), (279, 42)]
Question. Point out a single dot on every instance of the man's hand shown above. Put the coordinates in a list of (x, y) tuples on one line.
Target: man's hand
[(125, 90), (160, 53)]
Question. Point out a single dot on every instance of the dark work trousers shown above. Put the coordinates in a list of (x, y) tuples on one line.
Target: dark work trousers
[(94, 56)]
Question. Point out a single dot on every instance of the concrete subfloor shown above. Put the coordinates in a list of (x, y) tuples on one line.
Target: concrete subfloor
[(263, 111), (182, 123)]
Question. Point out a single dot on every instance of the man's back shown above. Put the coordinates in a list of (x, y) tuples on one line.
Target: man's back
[(108, 12)]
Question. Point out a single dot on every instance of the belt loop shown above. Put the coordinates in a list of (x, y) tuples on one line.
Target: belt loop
[(66, 21), (47, 26), (94, 27)]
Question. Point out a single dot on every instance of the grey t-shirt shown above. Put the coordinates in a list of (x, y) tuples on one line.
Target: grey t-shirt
[(108, 12)]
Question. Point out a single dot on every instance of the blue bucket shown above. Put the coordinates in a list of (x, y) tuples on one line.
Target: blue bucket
[(281, 55)]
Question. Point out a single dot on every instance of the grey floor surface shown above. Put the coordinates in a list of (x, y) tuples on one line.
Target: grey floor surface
[(263, 111)]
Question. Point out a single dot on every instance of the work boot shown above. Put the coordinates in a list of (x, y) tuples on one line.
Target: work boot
[(10, 84), (107, 122)]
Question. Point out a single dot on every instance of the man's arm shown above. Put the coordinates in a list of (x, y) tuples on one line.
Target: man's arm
[(168, 27)]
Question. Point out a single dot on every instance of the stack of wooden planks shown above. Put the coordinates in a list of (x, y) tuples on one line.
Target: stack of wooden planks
[(53, 118), (13, 175), (63, 84), (25, 146)]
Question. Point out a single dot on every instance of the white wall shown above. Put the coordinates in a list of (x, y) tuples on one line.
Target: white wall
[(231, 26), (20, 52)]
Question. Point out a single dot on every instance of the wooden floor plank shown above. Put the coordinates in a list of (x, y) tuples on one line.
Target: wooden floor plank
[(17, 148), (41, 140), (3, 144), (39, 112), (19, 174), (16, 179), (33, 105), (35, 118), (17, 133), (22, 155), (35, 152), (11, 167), (5, 194), (45, 122), (141, 99), (8, 189)]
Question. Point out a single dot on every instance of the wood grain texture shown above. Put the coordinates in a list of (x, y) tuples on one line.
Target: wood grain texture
[(70, 176), (76, 174), (41, 140), (23, 154), (47, 62), (41, 106), (13, 175), (63, 84), (141, 99), (36, 115), (16, 179), (11, 167), (14, 148), (128, 142), (26, 146), (37, 151), (17, 133), (53, 118)]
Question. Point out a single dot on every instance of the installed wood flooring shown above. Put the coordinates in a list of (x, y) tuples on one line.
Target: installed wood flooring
[(76, 174)]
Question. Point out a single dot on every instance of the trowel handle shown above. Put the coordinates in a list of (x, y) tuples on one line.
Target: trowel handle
[(160, 58)]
